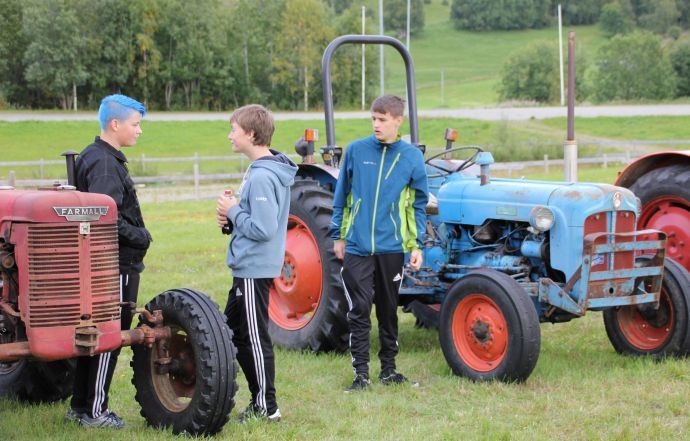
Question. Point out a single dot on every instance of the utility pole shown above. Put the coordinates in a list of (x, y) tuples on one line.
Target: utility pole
[(363, 60), (381, 46), (560, 51), (407, 33), (570, 145)]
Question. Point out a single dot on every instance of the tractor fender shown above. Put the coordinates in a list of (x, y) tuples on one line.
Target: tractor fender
[(641, 166), (326, 175)]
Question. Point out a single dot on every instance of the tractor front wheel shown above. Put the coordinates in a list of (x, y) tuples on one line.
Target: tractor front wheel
[(659, 330), (192, 389), (489, 329)]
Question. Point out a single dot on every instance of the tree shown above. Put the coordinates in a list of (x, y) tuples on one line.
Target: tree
[(395, 17), (631, 67), (480, 15), (305, 33), (252, 45), (346, 66), (664, 15), (186, 37), (680, 60), (338, 6), (613, 20), (579, 12), (531, 74), (54, 58), (12, 47)]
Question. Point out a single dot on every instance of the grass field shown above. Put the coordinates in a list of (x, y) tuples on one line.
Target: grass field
[(508, 140), (580, 390), (471, 61)]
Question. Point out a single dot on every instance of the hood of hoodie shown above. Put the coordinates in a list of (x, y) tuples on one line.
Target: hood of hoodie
[(280, 165)]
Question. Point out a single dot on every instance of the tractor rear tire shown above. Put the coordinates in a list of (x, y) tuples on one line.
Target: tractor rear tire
[(665, 196), (489, 329), (648, 330), (307, 307), (37, 381), (197, 394), (427, 316)]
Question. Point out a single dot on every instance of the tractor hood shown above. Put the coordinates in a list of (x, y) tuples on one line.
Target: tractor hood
[(464, 201), (55, 205)]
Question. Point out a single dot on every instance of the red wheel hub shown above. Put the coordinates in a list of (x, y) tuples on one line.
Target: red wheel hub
[(296, 294), (671, 215), (646, 327), (480, 332)]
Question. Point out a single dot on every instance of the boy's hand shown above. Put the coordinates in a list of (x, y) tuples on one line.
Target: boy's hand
[(222, 206), (339, 249), (416, 259)]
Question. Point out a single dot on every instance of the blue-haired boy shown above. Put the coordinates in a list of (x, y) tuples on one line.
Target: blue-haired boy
[(102, 168)]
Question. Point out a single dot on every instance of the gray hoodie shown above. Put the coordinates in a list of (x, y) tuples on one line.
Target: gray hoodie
[(257, 247)]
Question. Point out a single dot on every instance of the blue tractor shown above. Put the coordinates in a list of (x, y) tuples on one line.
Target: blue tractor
[(501, 256)]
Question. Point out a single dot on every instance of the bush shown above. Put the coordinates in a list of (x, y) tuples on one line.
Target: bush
[(674, 32), (531, 74), (631, 67), (680, 60), (613, 20), (480, 15)]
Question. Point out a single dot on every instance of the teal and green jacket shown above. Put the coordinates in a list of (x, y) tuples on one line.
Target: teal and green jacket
[(380, 200)]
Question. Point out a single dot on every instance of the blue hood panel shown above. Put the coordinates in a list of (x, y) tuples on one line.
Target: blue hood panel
[(465, 201)]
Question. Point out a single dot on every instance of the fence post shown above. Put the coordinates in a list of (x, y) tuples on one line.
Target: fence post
[(606, 161), (196, 180), (11, 178), (546, 163), (627, 156), (143, 163), (41, 168)]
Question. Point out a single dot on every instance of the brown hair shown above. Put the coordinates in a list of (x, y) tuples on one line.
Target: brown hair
[(389, 104), (255, 118)]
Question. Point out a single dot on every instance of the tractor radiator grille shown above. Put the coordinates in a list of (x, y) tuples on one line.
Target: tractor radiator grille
[(72, 277)]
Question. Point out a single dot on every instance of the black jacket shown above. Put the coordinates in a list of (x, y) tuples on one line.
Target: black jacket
[(101, 168)]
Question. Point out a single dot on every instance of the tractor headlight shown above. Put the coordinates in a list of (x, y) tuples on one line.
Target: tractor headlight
[(541, 218)]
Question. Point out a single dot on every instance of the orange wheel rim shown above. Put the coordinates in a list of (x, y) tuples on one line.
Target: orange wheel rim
[(647, 331), (480, 332), (295, 295)]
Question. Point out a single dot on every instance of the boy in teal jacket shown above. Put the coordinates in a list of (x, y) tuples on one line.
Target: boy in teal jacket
[(256, 251), (379, 214)]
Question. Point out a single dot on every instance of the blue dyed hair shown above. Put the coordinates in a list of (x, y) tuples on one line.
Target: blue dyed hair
[(118, 107)]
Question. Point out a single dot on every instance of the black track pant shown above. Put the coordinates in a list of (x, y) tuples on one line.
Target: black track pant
[(373, 279), (247, 313), (93, 374)]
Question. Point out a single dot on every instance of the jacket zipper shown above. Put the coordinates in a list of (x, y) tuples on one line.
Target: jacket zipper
[(390, 170), (376, 201)]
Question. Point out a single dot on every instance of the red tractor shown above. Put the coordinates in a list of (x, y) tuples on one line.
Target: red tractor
[(662, 182), (61, 299)]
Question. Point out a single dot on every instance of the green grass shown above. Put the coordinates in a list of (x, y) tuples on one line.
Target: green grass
[(471, 61), (581, 389), (508, 140)]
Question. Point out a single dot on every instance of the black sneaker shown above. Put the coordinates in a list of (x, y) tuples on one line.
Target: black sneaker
[(253, 412), (361, 382), (107, 419), (390, 376)]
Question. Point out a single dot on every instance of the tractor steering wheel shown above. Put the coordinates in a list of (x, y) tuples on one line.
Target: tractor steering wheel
[(465, 164)]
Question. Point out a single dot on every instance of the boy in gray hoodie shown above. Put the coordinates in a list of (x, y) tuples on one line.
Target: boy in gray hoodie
[(258, 220)]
